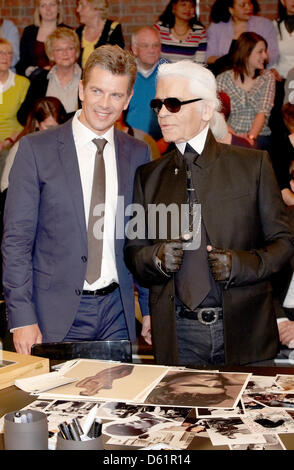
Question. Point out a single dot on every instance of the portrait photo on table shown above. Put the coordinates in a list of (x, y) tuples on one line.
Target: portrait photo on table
[(220, 412), (120, 410), (199, 389), (273, 442), (142, 423), (99, 380)]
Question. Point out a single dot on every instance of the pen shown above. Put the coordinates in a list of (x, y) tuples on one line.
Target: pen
[(63, 428), (78, 426), (98, 428), (74, 434)]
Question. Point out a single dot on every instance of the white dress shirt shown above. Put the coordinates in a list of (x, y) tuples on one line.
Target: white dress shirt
[(197, 142), (86, 151)]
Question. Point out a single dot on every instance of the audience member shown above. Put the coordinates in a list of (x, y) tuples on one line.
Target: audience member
[(96, 29), (122, 125), (146, 49), (13, 92), (9, 31), (289, 87), (283, 152), (224, 133), (62, 80), (33, 57), (285, 32), (45, 114), (251, 90), (182, 35), (64, 278), (229, 19), (212, 299)]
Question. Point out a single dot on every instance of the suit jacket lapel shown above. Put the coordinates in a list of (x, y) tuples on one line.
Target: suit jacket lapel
[(122, 164), (69, 162)]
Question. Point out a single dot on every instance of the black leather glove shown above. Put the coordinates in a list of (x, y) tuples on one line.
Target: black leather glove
[(170, 254), (220, 262)]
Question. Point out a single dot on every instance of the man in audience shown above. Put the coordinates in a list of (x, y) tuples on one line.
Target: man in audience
[(210, 296), (146, 48), (64, 275)]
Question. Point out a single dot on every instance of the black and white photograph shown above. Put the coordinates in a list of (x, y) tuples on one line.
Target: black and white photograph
[(142, 423), (285, 383), (198, 389), (221, 413), (174, 440), (260, 384), (269, 421), (68, 406), (121, 410), (273, 442), (228, 431), (275, 400)]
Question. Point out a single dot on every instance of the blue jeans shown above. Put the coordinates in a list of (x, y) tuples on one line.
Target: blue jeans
[(200, 344), (99, 318)]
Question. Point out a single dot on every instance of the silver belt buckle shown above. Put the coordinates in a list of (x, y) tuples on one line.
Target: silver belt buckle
[(202, 312)]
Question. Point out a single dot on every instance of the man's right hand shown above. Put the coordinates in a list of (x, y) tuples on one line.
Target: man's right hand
[(25, 337), (171, 253)]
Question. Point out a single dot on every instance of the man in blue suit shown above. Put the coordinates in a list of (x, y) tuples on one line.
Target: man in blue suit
[(45, 243)]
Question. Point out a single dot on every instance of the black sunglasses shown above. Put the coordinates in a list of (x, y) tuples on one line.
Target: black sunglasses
[(172, 104)]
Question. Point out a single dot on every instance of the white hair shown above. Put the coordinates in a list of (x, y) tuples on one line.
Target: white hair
[(219, 126), (135, 34), (202, 81)]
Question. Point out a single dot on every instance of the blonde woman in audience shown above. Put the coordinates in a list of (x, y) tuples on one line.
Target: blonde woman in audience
[(33, 57), (13, 89), (62, 80), (96, 29)]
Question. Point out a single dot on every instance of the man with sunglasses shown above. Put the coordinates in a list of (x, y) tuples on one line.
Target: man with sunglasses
[(210, 301)]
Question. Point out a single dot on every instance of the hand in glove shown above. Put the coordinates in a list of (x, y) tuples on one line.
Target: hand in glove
[(170, 254), (220, 262)]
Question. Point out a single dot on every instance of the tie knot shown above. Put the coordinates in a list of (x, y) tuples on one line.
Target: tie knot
[(190, 154), (100, 144)]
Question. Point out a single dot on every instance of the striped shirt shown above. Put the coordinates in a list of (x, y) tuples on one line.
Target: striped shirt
[(245, 105), (193, 47)]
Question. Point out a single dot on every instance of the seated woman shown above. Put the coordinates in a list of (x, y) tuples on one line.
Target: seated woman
[(251, 90), (45, 113), (285, 27), (96, 30), (9, 31), (182, 35), (229, 19), (62, 81), (33, 58), (14, 89)]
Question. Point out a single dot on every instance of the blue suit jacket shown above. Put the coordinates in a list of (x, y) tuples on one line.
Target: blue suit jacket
[(45, 237)]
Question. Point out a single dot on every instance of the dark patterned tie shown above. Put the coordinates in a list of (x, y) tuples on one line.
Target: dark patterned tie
[(95, 241), (192, 281)]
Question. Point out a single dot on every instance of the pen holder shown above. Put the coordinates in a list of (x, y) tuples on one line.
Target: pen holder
[(67, 444), (32, 435)]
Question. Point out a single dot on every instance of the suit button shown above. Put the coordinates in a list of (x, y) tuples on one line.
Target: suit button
[(78, 292), (172, 297), (84, 259)]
